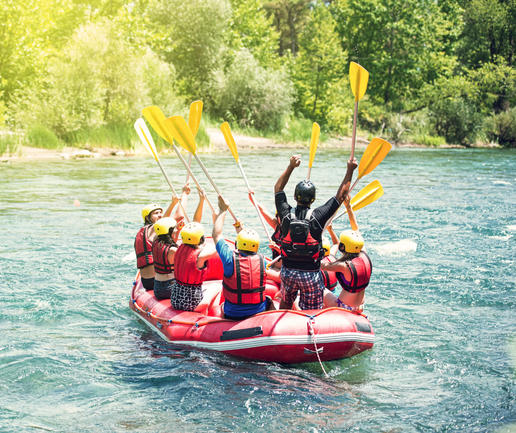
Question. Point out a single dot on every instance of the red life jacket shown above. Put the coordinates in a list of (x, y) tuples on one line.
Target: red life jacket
[(247, 283), (160, 254), (186, 271), (299, 248), (361, 269), (143, 248), (276, 238), (329, 277)]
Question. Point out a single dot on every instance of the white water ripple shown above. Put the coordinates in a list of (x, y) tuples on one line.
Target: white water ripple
[(394, 248)]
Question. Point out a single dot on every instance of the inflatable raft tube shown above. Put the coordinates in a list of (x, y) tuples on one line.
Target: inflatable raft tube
[(284, 336)]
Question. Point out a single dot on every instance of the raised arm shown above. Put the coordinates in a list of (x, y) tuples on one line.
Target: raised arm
[(295, 160), (218, 224), (351, 214), (171, 206), (198, 212), (271, 220), (343, 190), (184, 200)]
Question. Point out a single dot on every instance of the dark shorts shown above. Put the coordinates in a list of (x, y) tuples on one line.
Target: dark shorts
[(162, 289), (185, 298), (148, 283)]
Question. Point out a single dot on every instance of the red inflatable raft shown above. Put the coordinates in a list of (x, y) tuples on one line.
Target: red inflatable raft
[(275, 336)]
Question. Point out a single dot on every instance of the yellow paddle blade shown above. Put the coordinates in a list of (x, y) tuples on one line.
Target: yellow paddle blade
[(358, 77), (230, 141), (181, 132), (314, 141), (145, 137), (373, 155), (367, 195), (155, 117), (194, 119)]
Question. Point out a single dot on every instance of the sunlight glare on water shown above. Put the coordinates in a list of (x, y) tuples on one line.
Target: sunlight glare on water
[(73, 357)]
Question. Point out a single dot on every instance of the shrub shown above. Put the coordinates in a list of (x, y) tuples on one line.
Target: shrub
[(9, 143), (457, 120), (42, 137), (252, 95), (502, 128)]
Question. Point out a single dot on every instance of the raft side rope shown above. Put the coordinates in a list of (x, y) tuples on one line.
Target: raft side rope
[(311, 321)]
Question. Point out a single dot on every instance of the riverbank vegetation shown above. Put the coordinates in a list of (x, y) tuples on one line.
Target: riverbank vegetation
[(78, 73)]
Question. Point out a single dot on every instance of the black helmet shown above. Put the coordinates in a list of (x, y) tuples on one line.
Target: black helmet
[(305, 193)]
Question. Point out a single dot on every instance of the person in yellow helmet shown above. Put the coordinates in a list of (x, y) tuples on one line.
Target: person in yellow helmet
[(192, 261), (353, 268), (146, 236), (245, 273), (163, 251)]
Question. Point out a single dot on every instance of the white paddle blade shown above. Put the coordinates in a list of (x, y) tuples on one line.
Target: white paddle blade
[(145, 136)]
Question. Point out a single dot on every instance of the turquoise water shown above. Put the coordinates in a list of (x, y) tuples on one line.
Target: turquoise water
[(73, 357)]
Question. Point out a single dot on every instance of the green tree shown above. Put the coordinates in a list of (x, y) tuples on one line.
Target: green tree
[(289, 19), (98, 80), (195, 35), (489, 33), (402, 43), (249, 27), (319, 65), (252, 95)]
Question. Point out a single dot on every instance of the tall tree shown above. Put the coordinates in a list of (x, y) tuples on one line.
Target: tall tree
[(194, 40), (320, 63), (289, 18), (489, 34), (403, 43), (249, 27)]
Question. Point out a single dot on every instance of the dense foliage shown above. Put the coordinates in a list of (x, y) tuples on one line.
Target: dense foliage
[(72, 71)]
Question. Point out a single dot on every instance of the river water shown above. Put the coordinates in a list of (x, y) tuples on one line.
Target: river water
[(73, 357)]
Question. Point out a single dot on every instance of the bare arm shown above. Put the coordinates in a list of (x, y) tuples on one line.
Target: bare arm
[(271, 220), (346, 183), (295, 160), (351, 214), (218, 224), (337, 266), (171, 206), (184, 200), (334, 238), (198, 212)]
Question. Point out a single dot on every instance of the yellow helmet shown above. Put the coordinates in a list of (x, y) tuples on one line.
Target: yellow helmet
[(352, 241), (162, 226), (326, 246), (248, 240), (192, 233), (147, 210)]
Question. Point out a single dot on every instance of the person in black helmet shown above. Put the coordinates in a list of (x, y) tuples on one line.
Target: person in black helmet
[(301, 232)]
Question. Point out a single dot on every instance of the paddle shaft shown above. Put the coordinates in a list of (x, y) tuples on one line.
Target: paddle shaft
[(354, 131), (255, 205), (213, 184), (191, 174), (274, 261), (308, 175), (173, 190), (189, 166)]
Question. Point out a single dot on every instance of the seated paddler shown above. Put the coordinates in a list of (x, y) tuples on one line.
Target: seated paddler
[(353, 269), (191, 266), (245, 273)]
